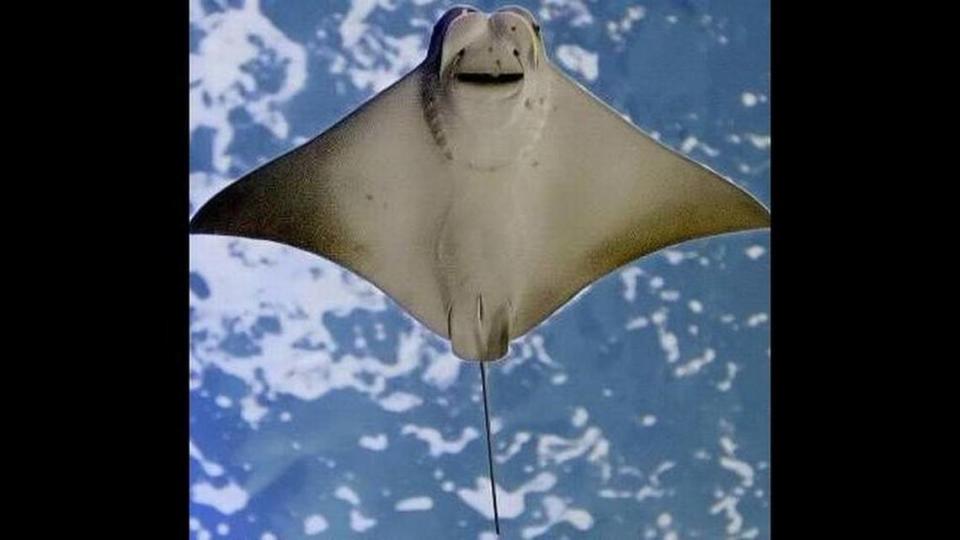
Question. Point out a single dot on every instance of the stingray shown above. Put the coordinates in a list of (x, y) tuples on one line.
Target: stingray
[(483, 190)]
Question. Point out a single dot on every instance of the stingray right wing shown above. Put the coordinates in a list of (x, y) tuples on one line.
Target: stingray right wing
[(367, 194), (603, 193)]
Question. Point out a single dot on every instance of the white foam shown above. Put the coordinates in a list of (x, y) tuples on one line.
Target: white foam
[(510, 504), (580, 60), (654, 489), (674, 257), (629, 277), (670, 296), (575, 10), (762, 142), (727, 383), (540, 352), (345, 493), (580, 417), (694, 365), (314, 524), (414, 504), (442, 369), (226, 500), (400, 402), (637, 322), (740, 468), (553, 449), (558, 511), (353, 27), (438, 446), (209, 467), (371, 59), (302, 288), (617, 29), (728, 505), (251, 410), (220, 81), (360, 522), (668, 340), (377, 443), (519, 439), (755, 251)]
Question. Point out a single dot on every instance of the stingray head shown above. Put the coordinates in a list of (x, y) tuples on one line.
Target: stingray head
[(487, 85), (486, 56)]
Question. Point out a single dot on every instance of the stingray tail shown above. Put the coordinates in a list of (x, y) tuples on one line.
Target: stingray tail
[(486, 420)]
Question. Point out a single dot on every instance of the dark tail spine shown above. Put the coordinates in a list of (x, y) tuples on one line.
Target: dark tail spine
[(486, 419)]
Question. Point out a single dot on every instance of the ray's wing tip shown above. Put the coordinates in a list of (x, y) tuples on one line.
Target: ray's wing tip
[(196, 224), (756, 219), (762, 218), (752, 212), (201, 222)]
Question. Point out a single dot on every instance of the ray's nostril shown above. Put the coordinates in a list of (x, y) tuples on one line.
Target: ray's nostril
[(516, 53)]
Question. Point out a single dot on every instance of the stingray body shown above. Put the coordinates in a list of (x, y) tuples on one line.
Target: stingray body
[(482, 190)]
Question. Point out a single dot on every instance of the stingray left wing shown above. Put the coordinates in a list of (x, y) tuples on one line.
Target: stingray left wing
[(602, 193), (365, 194)]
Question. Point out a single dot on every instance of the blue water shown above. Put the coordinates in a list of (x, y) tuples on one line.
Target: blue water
[(319, 409)]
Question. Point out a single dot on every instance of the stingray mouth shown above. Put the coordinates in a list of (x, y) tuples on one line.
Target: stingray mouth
[(490, 79)]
